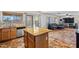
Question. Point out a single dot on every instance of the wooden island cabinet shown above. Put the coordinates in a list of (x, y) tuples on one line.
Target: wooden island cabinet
[(36, 39)]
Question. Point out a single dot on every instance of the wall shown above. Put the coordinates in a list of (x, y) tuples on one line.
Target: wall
[(54, 19), (77, 20), (24, 19), (43, 21)]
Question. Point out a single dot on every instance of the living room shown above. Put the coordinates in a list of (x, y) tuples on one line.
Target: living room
[(64, 25)]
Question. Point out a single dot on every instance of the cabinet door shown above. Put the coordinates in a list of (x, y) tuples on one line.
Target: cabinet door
[(30, 41), (5, 34), (13, 33), (42, 41), (25, 39), (0, 35)]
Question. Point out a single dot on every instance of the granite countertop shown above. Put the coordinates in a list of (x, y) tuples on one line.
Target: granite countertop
[(12, 27), (37, 32), (20, 27)]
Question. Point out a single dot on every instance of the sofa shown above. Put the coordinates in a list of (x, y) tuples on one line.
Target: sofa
[(55, 26)]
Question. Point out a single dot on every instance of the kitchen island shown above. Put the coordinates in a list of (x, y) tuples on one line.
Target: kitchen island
[(36, 38)]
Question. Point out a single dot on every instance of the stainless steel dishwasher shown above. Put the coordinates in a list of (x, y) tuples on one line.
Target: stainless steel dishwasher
[(20, 31)]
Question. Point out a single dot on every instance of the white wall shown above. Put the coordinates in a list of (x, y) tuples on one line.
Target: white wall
[(24, 19), (54, 19), (76, 18), (43, 21)]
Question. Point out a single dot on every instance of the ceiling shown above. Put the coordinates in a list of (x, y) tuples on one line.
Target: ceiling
[(58, 13), (62, 13)]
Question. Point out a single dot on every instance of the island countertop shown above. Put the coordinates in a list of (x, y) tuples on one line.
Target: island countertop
[(35, 32)]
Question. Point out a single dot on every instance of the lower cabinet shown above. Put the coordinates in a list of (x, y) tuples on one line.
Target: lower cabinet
[(0, 34), (25, 39), (5, 34), (40, 41), (31, 43), (13, 33)]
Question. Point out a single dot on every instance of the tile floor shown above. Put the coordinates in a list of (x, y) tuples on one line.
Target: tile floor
[(65, 38), (15, 43), (62, 38)]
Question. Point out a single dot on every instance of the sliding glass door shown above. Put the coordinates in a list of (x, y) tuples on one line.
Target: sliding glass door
[(36, 21), (29, 21), (32, 21)]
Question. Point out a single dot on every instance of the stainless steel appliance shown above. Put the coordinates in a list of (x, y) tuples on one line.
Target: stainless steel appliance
[(20, 31)]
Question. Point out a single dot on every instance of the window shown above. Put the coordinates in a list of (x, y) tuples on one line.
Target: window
[(14, 19)]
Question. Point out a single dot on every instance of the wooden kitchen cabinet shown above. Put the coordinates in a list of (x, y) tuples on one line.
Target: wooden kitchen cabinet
[(12, 33), (0, 34), (5, 34), (31, 43), (42, 41), (25, 39), (36, 40)]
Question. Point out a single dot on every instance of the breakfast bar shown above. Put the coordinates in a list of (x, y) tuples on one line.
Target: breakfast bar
[(36, 38)]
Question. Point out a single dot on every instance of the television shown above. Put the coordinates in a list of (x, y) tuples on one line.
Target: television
[(68, 20)]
